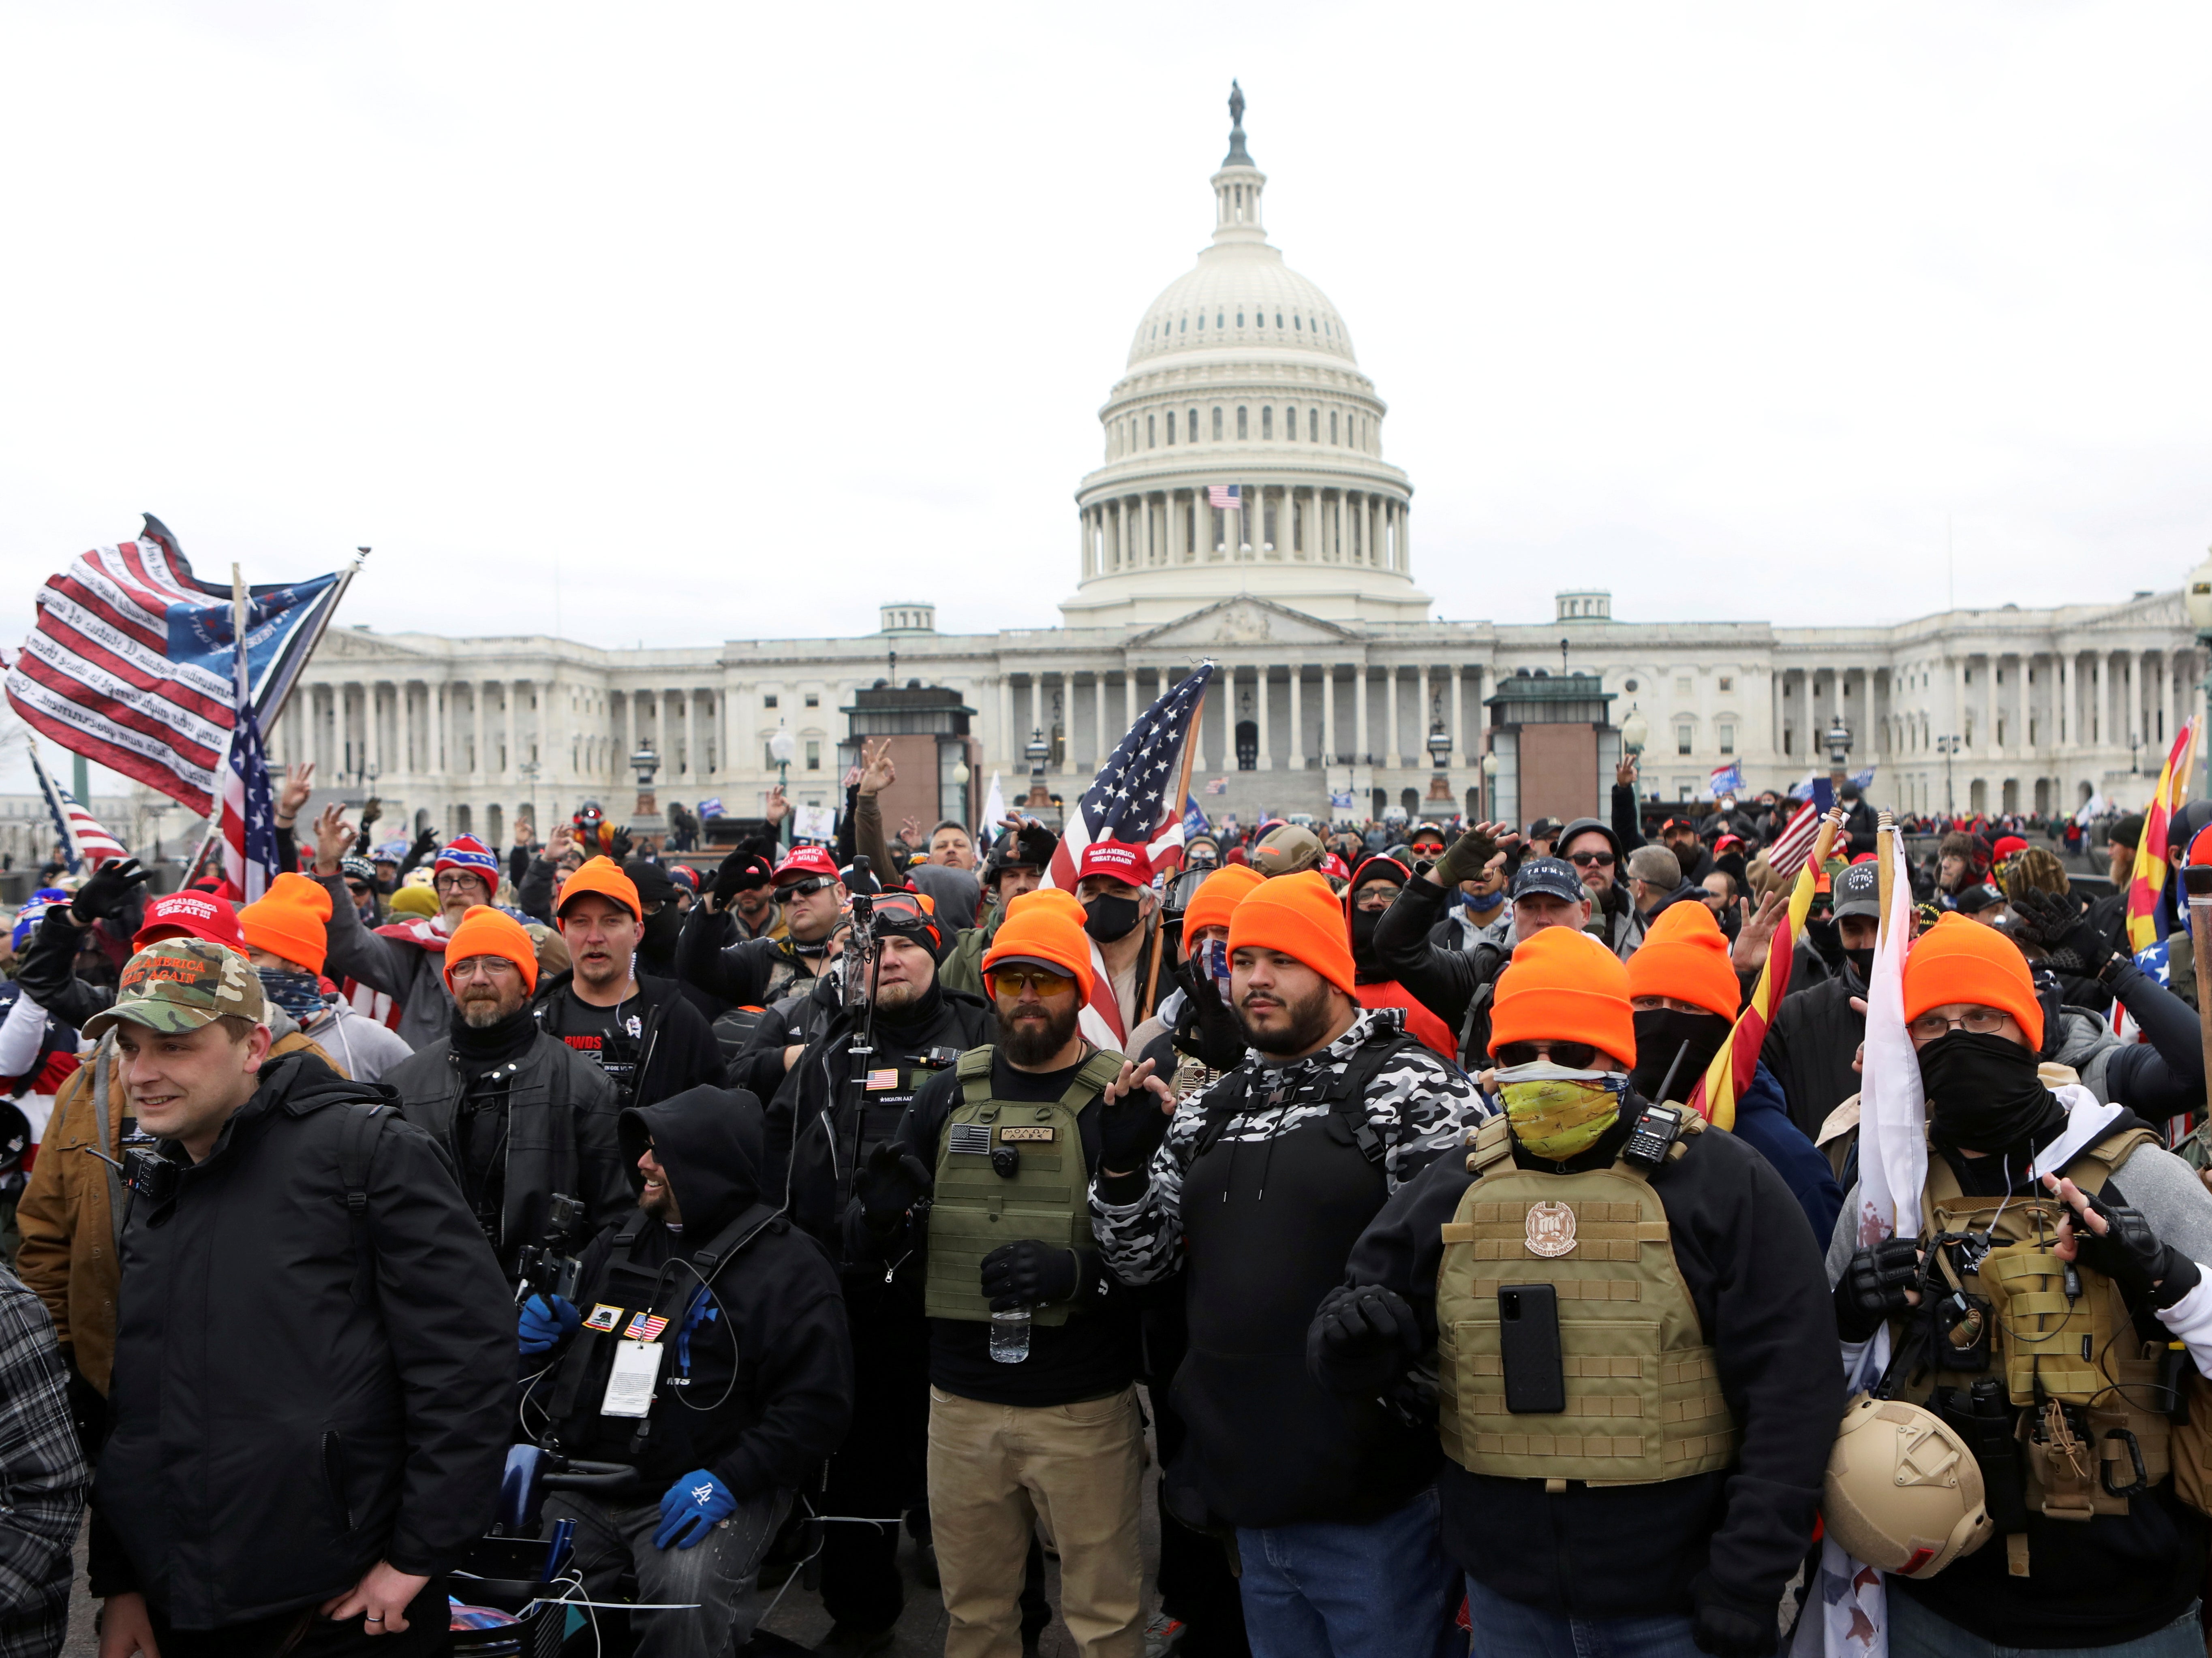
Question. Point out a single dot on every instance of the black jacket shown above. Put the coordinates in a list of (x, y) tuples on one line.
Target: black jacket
[(560, 1133), (1446, 982), (773, 1313), (822, 1123), (792, 1021), (274, 1435), (46, 971), (675, 1046), (750, 973), (1756, 1278), (1810, 1046)]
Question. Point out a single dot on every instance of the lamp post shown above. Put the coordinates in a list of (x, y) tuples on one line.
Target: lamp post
[(1490, 782), (1948, 745), (1839, 752), (646, 822), (961, 775), (1440, 759), (529, 769), (781, 748)]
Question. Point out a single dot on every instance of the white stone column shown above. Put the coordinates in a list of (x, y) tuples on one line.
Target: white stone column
[(1329, 714), (513, 753), (1297, 753), (2134, 725), (1405, 537), (1098, 749), (1128, 698), (1421, 725), (2066, 701), (1260, 703), (1004, 747), (1036, 711), (1362, 739), (1460, 756), (479, 766), (1390, 754)]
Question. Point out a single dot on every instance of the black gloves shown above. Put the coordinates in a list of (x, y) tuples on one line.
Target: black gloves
[(105, 891), (2058, 922), (1205, 1028), (1361, 1340), (1132, 1130), (1464, 858), (2132, 1257), (739, 872), (1872, 1288), (890, 1182), (1028, 1274), (1728, 1627)]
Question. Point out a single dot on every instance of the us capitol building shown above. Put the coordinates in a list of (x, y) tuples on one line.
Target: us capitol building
[(1334, 677)]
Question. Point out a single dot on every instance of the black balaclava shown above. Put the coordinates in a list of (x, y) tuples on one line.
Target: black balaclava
[(1659, 1033), (1862, 962), (1984, 1095), (479, 1051)]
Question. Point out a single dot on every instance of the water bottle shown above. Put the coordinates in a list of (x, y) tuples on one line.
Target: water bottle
[(1010, 1336)]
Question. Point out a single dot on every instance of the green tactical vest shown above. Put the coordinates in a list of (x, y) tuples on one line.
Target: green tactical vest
[(976, 1209), (1643, 1393)]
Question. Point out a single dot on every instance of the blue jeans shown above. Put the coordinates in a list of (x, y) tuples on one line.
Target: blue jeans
[(1380, 1590), (1916, 1632), (1507, 1629)]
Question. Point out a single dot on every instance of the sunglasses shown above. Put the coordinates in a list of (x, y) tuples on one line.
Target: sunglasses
[(1016, 981), (1585, 859), (359, 888), (804, 889), (1575, 1056)]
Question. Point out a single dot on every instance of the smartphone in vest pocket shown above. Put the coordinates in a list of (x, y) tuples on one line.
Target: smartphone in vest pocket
[(1528, 1348)]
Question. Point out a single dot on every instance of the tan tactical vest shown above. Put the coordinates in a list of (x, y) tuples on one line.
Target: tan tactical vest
[(2047, 1346), (976, 1209), (1643, 1398)]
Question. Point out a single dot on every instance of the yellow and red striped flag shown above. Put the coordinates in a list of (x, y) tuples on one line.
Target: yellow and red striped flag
[(1730, 1072), (2147, 880)]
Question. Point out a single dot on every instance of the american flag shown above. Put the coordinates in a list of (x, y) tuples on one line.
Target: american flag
[(249, 810), (1787, 855), (130, 661), (1133, 798), (1217, 785), (1224, 496), (82, 839)]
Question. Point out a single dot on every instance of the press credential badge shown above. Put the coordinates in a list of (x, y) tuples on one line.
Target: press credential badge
[(630, 1379)]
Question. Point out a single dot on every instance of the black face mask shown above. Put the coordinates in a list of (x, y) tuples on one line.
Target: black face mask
[(1108, 918), (656, 942), (1826, 939), (1984, 1095), (1363, 937), (1862, 962), (1660, 1033)]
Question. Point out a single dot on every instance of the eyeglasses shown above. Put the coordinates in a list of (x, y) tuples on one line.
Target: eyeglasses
[(1016, 981), (804, 889), (1575, 1056), (1982, 1021), (451, 881), (482, 966), (1585, 859), (359, 888)]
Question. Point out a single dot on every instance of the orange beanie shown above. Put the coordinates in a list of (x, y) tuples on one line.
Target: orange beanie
[(1300, 916), (1685, 956), (1564, 985), (1217, 894), (604, 876), (290, 919), (1045, 925), (488, 932), (1961, 961)]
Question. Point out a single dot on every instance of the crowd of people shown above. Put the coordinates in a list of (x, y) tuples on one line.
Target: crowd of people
[(721, 1217)]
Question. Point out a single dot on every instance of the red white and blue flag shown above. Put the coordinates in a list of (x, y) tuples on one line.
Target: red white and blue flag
[(249, 808), (1227, 497), (131, 661), (1136, 799), (82, 838)]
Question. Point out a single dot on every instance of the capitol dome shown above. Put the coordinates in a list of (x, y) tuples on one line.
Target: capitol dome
[(1244, 446)]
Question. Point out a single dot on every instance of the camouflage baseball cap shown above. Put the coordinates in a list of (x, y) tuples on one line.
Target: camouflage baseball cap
[(180, 985)]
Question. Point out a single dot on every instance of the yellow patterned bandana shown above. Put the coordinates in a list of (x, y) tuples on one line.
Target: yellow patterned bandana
[(1557, 1113)]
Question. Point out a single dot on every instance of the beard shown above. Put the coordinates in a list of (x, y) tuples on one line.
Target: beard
[(1031, 1042), (1304, 1025), (481, 1013)]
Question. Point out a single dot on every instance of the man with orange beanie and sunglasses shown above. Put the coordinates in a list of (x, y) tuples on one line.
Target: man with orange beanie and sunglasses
[(1636, 1388), (1256, 1188), (1047, 1422)]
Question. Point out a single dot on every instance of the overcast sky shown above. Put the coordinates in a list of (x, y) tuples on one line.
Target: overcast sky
[(680, 323)]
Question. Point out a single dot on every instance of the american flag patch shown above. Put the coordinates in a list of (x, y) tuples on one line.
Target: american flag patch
[(644, 1327), (974, 1138), (880, 1080)]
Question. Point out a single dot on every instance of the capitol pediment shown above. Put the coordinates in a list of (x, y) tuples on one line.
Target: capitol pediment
[(1242, 621)]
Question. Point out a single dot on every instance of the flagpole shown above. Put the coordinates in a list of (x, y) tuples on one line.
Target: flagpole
[(1176, 807), (240, 608), (322, 626)]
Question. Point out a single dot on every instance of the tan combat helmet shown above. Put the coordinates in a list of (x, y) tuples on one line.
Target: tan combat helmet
[(1903, 1492)]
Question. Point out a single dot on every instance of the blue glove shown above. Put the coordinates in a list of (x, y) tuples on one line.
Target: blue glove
[(692, 1507), (543, 1323)]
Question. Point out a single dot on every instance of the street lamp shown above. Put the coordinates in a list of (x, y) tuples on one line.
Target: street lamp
[(1634, 731), (529, 769), (1440, 747), (1946, 746), (1039, 751), (781, 748), (1490, 780)]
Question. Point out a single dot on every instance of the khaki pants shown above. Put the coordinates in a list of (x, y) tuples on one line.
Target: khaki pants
[(996, 1471)]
